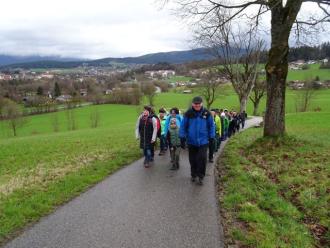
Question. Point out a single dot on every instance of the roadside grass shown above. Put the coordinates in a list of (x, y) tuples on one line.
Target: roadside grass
[(276, 192)]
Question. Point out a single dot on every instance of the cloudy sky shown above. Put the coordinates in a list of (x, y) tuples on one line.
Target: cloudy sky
[(89, 28)]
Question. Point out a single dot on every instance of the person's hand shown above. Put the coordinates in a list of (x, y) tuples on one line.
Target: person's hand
[(183, 143), (153, 141), (211, 141)]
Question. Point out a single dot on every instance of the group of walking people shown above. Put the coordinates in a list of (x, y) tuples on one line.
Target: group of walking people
[(198, 129)]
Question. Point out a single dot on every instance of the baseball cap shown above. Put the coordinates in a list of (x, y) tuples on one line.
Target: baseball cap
[(197, 99)]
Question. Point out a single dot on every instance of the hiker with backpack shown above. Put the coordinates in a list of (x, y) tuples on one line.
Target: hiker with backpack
[(174, 113), (163, 142), (197, 130), (212, 143), (146, 131), (218, 129), (174, 144)]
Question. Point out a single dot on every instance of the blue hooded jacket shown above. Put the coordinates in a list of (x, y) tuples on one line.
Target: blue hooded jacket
[(167, 123), (197, 127)]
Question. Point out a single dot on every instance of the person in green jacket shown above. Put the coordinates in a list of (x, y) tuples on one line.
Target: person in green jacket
[(218, 130), (226, 121), (174, 143)]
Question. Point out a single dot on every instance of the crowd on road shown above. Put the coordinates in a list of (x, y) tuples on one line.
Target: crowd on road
[(198, 129)]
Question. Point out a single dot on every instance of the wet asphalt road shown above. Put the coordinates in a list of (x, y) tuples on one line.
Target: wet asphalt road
[(135, 207)]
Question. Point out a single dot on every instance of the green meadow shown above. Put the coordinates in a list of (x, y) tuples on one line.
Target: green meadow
[(311, 73)]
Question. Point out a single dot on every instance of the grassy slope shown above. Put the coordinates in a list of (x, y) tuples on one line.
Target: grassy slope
[(39, 172), (276, 193)]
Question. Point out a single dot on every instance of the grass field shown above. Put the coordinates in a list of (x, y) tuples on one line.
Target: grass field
[(311, 73), (276, 193), (230, 101), (40, 169)]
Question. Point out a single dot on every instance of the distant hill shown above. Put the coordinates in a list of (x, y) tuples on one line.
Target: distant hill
[(176, 57), (9, 59)]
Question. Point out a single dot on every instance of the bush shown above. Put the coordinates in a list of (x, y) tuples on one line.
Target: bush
[(305, 67)]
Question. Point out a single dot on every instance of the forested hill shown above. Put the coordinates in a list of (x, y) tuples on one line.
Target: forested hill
[(176, 57)]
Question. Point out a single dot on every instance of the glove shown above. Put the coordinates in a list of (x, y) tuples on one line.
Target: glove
[(211, 141), (183, 143)]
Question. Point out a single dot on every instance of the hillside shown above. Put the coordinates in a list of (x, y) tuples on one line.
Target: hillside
[(175, 57)]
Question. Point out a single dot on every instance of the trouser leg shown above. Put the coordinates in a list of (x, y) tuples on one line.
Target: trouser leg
[(177, 157), (193, 160), (201, 156), (147, 154), (211, 150), (172, 153)]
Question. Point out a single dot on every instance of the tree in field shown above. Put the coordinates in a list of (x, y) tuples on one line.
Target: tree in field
[(238, 52), (286, 17), (209, 87), (305, 96), (13, 113), (57, 90), (40, 91), (258, 92), (149, 90)]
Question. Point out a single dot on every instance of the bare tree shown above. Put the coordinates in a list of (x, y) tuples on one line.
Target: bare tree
[(258, 92), (284, 20), (305, 96), (238, 53), (13, 113), (55, 122), (95, 117), (210, 87), (71, 119), (149, 90)]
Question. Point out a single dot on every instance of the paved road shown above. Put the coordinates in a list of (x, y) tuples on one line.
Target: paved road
[(135, 207)]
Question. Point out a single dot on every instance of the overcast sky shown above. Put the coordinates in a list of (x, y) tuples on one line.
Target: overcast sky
[(89, 28)]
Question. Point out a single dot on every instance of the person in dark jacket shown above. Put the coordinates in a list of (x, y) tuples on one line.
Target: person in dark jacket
[(243, 117), (197, 130), (146, 131)]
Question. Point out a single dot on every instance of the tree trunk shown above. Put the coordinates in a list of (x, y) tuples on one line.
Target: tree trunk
[(243, 102), (256, 107), (277, 67)]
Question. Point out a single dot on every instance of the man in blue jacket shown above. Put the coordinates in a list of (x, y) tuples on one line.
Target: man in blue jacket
[(197, 130)]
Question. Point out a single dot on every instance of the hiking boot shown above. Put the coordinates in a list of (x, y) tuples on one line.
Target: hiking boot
[(173, 167), (200, 181), (211, 160), (193, 179), (146, 165)]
